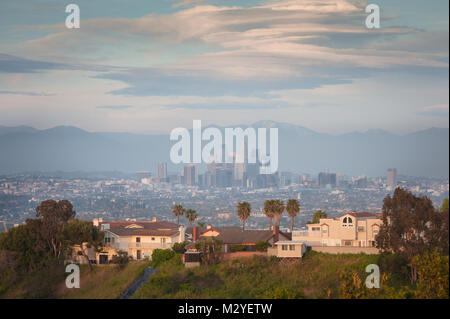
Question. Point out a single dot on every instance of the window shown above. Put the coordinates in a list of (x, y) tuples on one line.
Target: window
[(324, 230), (138, 239), (291, 247), (361, 229), (284, 247), (315, 228), (153, 238), (347, 221), (347, 243), (375, 230)]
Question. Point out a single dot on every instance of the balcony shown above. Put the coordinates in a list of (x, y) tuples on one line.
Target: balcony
[(305, 233), (150, 245)]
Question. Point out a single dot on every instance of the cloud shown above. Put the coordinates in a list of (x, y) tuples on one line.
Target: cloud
[(114, 107), (439, 110), (186, 3), (13, 64), (25, 93)]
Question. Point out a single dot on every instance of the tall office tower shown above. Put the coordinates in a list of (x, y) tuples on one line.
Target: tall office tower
[(392, 177), (189, 174), (224, 177), (327, 179), (161, 171)]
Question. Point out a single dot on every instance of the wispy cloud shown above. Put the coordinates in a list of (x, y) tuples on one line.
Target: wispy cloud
[(28, 93), (440, 110), (114, 107)]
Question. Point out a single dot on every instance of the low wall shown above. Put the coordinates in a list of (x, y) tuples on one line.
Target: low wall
[(243, 254), (345, 250)]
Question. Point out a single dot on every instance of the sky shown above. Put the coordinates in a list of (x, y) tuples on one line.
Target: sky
[(150, 66)]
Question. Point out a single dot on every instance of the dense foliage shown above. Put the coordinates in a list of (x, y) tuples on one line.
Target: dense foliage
[(32, 255)]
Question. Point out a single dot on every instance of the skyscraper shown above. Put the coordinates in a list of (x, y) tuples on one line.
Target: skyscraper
[(392, 177), (327, 179), (189, 174), (161, 171)]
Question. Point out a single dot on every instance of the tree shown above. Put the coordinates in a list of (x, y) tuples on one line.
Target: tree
[(268, 210), (317, 216), (278, 209), (432, 272), (29, 253), (121, 259), (211, 250), (53, 216), (178, 211), (243, 210), (444, 206), (411, 226), (191, 216), (293, 208), (179, 247), (84, 234)]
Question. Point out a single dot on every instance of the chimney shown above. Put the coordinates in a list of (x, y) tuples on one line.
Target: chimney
[(275, 233), (95, 222), (194, 234)]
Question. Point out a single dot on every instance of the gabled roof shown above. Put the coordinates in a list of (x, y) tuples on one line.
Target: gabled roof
[(362, 214), (235, 235), (142, 228)]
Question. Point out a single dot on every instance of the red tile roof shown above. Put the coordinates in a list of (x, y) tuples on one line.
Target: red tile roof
[(143, 228)]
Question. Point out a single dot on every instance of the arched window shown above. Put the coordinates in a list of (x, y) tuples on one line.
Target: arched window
[(347, 221)]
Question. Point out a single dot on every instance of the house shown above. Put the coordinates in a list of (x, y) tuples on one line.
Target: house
[(288, 249), (138, 238), (349, 230), (235, 236)]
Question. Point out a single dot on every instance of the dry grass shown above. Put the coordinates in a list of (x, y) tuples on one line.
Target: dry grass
[(104, 282)]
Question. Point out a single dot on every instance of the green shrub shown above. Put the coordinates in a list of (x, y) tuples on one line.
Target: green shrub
[(262, 245), (236, 248), (160, 256), (179, 247)]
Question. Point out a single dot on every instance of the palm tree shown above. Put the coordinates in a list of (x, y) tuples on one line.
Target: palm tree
[(178, 211), (243, 210), (278, 209), (191, 215), (268, 210), (293, 208)]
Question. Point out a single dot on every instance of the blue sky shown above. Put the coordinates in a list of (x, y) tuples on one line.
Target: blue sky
[(150, 66)]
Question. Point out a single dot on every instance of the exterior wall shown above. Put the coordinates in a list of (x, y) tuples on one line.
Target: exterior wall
[(360, 232), (297, 252), (345, 250), (146, 245)]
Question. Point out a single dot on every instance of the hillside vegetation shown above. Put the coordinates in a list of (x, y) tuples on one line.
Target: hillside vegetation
[(316, 276), (104, 282)]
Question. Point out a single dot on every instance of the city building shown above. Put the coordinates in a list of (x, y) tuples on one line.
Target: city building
[(161, 172), (327, 179), (190, 175), (392, 178)]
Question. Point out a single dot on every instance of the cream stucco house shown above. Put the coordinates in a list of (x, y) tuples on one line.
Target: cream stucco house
[(138, 238), (349, 230)]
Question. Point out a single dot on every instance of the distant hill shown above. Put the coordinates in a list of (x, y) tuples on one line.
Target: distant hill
[(65, 148)]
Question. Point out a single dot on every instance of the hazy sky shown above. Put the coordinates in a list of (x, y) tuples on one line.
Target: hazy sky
[(150, 66)]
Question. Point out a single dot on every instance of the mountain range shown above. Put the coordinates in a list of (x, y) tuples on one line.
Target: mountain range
[(371, 153)]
